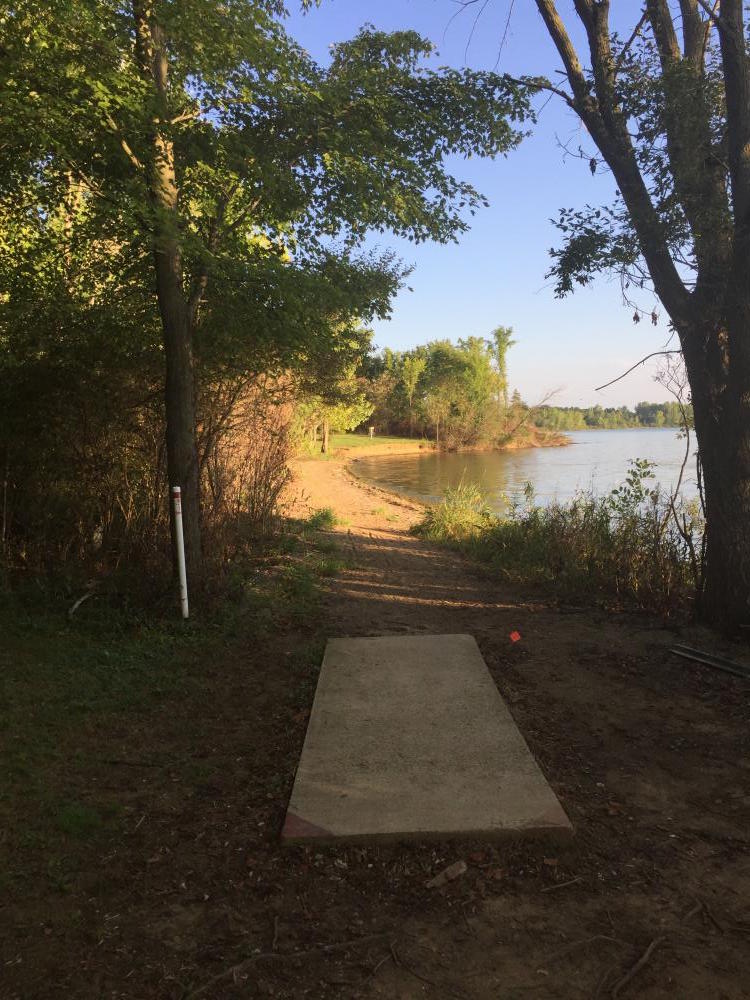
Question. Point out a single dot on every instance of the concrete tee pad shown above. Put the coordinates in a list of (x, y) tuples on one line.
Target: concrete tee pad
[(409, 738)]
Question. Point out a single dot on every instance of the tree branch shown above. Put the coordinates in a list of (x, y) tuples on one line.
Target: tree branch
[(540, 84), (123, 142), (737, 89), (692, 31), (653, 354), (607, 126), (626, 47), (713, 14)]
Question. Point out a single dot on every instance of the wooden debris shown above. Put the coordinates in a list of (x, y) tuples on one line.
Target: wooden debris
[(448, 874), (562, 885), (635, 969), (709, 660)]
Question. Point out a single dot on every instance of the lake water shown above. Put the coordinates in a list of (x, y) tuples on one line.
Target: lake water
[(595, 460)]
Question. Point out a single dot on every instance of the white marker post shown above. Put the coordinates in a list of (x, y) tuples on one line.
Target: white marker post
[(180, 542)]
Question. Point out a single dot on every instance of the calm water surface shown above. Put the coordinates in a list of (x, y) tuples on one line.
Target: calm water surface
[(595, 460)]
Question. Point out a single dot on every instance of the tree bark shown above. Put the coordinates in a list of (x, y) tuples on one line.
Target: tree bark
[(324, 446), (182, 447), (722, 425)]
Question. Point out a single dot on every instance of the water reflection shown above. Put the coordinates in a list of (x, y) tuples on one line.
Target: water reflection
[(595, 459)]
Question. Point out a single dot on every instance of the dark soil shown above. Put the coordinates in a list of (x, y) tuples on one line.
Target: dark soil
[(190, 894)]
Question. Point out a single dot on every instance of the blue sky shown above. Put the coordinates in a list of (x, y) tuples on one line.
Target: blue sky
[(495, 274)]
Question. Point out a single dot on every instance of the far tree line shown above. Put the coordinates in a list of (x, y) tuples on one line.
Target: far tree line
[(576, 418)]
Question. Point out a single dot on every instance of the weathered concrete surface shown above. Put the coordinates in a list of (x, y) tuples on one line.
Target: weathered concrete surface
[(409, 738)]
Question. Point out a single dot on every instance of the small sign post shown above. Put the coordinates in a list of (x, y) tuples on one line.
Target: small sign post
[(180, 542)]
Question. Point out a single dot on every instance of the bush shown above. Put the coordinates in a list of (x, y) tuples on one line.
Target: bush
[(462, 516), (83, 485), (322, 519), (633, 544), (246, 444)]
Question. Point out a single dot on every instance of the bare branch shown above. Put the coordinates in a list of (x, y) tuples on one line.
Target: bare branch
[(538, 83), (713, 14), (653, 354), (123, 142), (627, 46), (737, 89)]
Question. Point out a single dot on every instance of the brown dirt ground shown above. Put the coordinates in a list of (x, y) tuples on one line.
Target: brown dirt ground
[(648, 754)]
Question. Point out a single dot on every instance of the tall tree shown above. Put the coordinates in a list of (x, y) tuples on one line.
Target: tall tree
[(502, 340), (411, 369), (669, 113), (206, 134)]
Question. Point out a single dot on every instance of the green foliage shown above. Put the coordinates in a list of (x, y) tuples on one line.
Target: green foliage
[(675, 110), (463, 515), (323, 519), (502, 338), (625, 546), (449, 391)]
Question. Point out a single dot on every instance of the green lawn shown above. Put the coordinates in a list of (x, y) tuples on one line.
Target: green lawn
[(77, 696), (339, 441), (365, 441)]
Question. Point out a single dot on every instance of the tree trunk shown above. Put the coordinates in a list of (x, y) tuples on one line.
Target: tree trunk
[(182, 448), (722, 426), (324, 446)]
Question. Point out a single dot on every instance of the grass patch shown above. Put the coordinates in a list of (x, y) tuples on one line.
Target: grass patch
[(461, 517), (73, 693), (76, 819), (365, 441), (323, 519), (329, 567), (358, 442)]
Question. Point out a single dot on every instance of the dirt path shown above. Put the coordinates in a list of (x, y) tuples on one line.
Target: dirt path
[(649, 757)]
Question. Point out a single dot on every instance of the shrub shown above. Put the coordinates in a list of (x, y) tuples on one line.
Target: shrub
[(635, 543), (462, 516), (323, 519), (245, 444)]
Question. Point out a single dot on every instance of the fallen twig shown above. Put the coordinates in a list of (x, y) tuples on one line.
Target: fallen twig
[(131, 763), (74, 607), (602, 984), (376, 968), (692, 911), (579, 944), (635, 969), (562, 885), (234, 970), (707, 910), (407, 968), (709, 660)]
